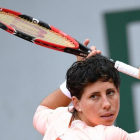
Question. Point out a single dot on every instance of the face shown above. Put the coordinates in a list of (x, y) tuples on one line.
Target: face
[(99, 104)]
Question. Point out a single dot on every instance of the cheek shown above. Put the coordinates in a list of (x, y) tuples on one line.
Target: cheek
[(89, 107), (117, 102)]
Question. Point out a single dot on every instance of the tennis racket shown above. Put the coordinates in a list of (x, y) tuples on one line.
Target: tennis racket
[(43, 34)]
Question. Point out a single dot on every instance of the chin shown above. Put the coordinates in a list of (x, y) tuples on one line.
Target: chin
[(108, 123)]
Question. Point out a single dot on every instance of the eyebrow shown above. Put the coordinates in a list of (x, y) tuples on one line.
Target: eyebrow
[(110, 89), (98, 92)]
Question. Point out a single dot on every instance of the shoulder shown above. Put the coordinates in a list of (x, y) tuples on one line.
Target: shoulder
[(111, 132), (80, 129), (45, 116), (45, 111)]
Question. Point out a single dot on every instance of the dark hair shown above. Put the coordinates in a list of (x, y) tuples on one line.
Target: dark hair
[(92, 69)]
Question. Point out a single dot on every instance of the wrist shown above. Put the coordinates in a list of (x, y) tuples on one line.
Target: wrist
[(64, 89)]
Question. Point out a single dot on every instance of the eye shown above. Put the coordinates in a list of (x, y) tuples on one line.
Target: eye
[(110, 93), (93, 96)]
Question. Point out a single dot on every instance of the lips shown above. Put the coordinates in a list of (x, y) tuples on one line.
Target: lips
[(107, 116)]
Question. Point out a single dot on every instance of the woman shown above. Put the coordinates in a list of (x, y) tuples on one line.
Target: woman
[(94, 87)]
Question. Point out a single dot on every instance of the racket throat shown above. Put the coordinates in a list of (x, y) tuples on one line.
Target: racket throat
[(76, 52)]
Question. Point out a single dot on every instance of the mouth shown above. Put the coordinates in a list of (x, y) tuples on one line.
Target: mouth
[(107, 116)]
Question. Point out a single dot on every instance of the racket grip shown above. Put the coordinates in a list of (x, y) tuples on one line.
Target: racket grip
[(127, 69)]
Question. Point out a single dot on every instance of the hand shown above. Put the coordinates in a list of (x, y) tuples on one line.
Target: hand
[(93, 51)]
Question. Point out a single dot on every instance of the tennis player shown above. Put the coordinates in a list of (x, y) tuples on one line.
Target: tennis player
[(93, 87)]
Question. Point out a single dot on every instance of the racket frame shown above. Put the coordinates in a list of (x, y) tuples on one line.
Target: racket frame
[(79, 48)]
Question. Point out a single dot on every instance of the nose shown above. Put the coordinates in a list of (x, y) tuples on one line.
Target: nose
[(105, 103)]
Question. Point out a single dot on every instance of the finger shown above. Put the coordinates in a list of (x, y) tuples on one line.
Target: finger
[(86, 42), (93, 48), (94, 52), (98, 51)]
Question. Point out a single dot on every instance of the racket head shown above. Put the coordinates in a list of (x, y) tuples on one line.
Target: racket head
[(36, 31)]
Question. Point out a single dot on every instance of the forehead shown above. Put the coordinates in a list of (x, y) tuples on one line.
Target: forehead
[(99, 86)]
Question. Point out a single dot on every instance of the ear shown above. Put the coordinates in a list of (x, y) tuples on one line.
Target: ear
[(75, 102)]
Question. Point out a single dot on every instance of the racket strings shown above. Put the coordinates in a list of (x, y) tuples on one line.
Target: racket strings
[(34, 29)]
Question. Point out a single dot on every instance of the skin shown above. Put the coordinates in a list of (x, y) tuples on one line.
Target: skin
[(57, 98), (99, 104), (93, 50), (93, 108)]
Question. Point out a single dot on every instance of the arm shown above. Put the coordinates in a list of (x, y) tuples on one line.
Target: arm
[(57, 98), (119, 134), (54, 100), (135, 136)]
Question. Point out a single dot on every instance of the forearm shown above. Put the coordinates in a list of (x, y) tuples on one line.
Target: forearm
[(56, 99)]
